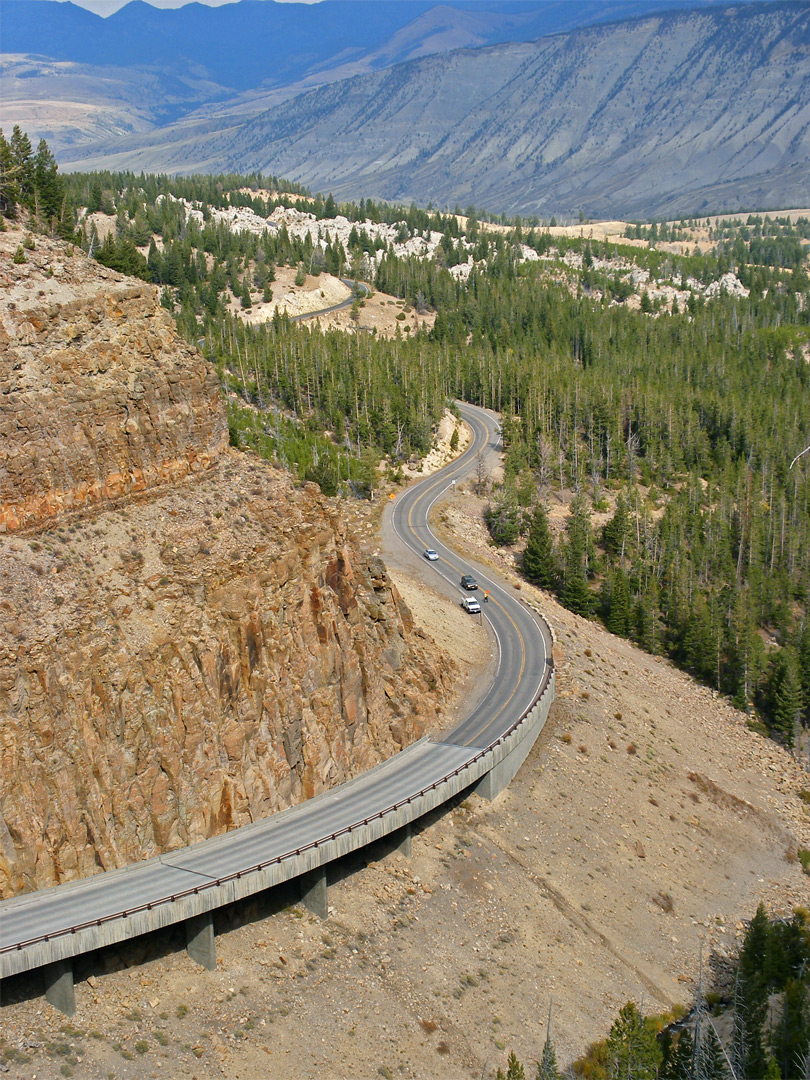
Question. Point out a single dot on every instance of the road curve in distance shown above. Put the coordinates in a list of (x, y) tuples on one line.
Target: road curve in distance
[(524, 641)]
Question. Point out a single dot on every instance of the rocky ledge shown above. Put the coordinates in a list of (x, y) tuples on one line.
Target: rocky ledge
[(99, 397)]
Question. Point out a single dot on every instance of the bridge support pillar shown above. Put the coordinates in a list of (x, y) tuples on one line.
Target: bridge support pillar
[(59, 986), (490, 785), (402, 840), (501, 775), (397, 842), (200, 940), (313, 892)]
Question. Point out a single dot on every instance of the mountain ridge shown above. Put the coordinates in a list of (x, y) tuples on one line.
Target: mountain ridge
[(632, 117), (679, 112), (281, 42), (74, 78)]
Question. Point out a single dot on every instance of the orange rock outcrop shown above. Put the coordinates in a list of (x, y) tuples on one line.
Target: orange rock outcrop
[(99, 397)]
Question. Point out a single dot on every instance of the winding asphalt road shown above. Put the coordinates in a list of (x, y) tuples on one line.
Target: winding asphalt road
[(524, 641), (123, 902), (359, 285)]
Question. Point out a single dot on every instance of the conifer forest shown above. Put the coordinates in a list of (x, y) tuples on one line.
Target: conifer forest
[(685, 419), (661, 394)]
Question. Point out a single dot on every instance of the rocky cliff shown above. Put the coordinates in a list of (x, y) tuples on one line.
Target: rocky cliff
[(99, 398), (189, 642)]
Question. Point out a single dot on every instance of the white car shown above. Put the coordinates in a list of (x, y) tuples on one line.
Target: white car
[(431, 555), (469, 603)]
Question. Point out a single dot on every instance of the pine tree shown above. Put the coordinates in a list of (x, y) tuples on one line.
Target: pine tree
[(791, 1039), (647, 627), (580, 537), (746, 657), (751, 999), (785, 694), (154, 262), (697, 650), (94, 196), (9, 179), (678, 1054), (547, 1065), (538, 555), (616, 533), (804, 670), (619, 616), (23, 162), (632, 1046), (576, 595), (504, 517), (47, 188), (790, 947), (772, 1071), (514, 1069)]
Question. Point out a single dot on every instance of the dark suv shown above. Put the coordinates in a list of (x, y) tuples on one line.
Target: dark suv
[(468, 582)]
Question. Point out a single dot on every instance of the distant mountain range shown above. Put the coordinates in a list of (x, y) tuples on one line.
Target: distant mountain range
[(680, 112), (255, 43)]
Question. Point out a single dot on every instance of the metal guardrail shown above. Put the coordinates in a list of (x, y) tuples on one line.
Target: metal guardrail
[(293, 852)]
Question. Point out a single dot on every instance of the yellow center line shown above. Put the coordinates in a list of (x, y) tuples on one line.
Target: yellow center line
[(506, 703), (429, 490)]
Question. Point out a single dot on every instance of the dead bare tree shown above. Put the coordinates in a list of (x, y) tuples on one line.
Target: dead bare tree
[(480, 475)]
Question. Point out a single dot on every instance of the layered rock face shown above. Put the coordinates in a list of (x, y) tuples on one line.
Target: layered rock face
[(100, 398), (183, 662)]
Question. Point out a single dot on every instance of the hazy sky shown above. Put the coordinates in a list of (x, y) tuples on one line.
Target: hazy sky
[(107, 7)]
